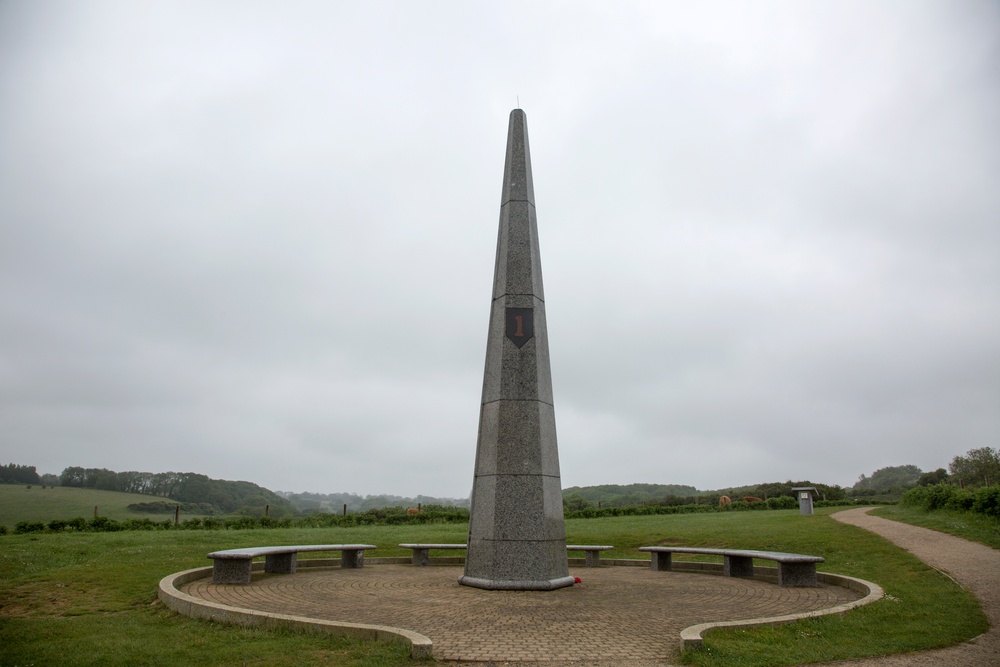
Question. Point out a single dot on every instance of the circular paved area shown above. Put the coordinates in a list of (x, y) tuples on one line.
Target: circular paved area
[(617, 615)]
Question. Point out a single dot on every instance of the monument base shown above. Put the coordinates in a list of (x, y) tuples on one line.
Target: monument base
[(507, 585)]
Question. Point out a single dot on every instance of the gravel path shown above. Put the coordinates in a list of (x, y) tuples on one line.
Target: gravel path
[(975, 566)]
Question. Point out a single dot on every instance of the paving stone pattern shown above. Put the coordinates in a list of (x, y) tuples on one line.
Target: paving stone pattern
[(617, 615)]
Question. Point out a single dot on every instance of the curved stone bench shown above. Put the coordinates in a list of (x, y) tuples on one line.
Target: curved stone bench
[(593, 553), (793, 569), (233, 566), (421, 552)]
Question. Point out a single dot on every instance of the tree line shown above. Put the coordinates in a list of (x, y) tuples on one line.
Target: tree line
[(625, 495), (184, 487), (969, 485), (617, 496), (17, 474), (977, 468)]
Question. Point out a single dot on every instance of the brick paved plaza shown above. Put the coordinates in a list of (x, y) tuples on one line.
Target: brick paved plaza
[(618, 614)]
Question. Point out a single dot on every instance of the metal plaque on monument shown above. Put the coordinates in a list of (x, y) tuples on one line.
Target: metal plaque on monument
[(517, 539)]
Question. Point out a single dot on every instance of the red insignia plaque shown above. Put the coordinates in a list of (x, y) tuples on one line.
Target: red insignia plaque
[(520, 325)]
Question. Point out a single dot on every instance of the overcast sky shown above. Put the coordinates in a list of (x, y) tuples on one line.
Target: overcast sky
[(256, 240)]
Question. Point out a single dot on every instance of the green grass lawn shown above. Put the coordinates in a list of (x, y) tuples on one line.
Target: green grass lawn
[(19, 503), (90, 598)]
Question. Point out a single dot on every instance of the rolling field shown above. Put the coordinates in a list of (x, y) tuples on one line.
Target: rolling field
[(19, 503)]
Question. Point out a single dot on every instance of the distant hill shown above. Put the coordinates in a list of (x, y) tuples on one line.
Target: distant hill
[(776, 489), (334, 502), (222, 496), (621, 495)]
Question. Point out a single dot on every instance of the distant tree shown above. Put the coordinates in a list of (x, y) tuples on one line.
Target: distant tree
[(931, 478), (826, 491), (18, 474), (575, 502), (185, 487), (72, 476), (784, 489), (979, 467), (889, 478), (773, 490)]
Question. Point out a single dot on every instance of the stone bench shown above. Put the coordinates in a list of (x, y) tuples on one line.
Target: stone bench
[(793, 569), (421, 552), (232, 566), (593, 553)]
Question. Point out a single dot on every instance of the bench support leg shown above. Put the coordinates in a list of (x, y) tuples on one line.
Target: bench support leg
[(737, 566), (593, 558), (280, 563), (226, 571), (352, 558), (797, 574), (420, 556), (661, 560)]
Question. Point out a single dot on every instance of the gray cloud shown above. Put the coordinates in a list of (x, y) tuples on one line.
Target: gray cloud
[(257, 242)]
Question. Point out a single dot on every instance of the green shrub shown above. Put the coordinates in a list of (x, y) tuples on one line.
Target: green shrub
[(835, 503), (915, 497), (23, 527), (782, 503), (946, 496), (962, 501), (242, 523), (3, 529), (58, 525), (987, 501), (103, 524), (139, 524), (627, 510), (743, 506)]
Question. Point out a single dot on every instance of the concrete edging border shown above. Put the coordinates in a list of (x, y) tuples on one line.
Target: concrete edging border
[(422, 647), (186, 605)]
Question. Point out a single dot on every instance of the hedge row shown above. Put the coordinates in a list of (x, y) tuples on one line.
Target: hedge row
[(946, 496), (776, 503), (384, 517), (103, 524)]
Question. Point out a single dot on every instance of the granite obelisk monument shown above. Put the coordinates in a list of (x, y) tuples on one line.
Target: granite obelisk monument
[(517, 539)]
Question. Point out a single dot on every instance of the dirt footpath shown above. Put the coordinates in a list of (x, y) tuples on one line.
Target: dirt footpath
[(975, 566)]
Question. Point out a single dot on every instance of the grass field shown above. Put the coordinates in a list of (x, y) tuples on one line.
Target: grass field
[(89, 598), (19, 503)]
